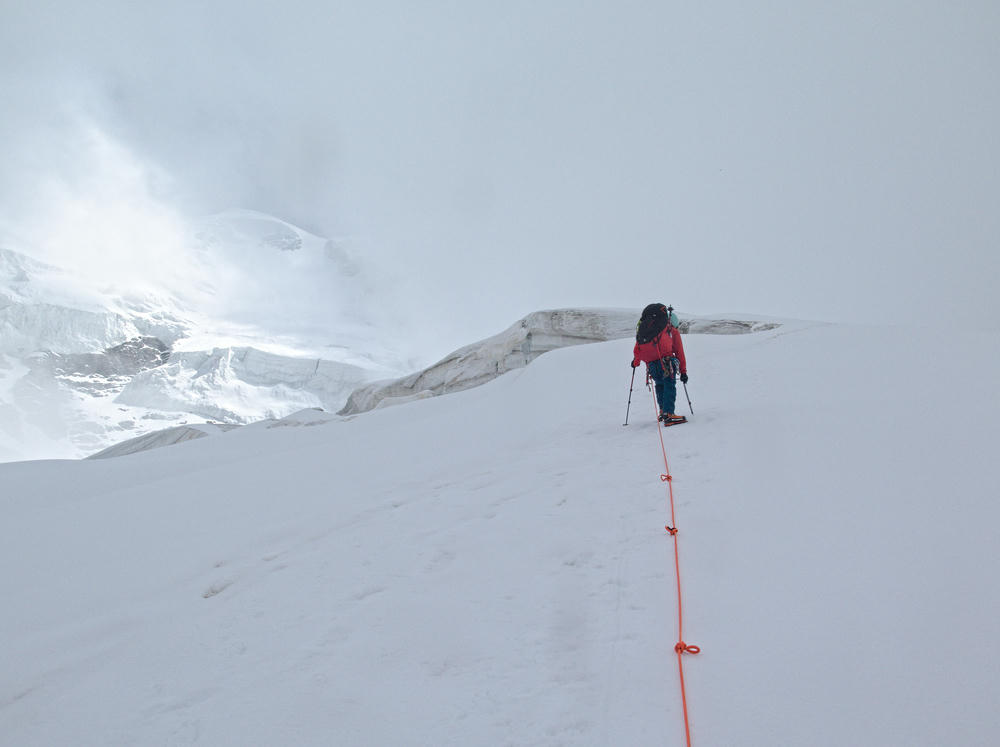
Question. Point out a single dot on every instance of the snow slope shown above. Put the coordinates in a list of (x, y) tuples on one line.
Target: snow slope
[(490, 567)]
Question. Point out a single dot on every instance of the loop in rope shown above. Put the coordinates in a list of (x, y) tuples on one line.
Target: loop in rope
[(681, 647)]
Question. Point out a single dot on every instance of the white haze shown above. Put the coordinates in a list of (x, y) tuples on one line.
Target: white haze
[(791, 159)]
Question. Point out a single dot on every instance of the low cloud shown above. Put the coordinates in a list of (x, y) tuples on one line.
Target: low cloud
[(780, 161)]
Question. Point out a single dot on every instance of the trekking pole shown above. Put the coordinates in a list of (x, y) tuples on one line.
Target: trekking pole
[(688, 396), (629, 397)]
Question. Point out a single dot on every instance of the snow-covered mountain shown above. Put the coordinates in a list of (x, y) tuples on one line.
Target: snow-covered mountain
[(266, 319), (491, 567)]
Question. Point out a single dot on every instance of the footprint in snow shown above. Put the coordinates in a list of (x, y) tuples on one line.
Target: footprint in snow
[(368, 591), (217, 588)]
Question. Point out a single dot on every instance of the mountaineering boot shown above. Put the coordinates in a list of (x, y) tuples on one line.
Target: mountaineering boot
[(668, 418)]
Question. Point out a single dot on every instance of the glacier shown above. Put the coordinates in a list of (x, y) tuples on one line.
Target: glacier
[(88, 362)]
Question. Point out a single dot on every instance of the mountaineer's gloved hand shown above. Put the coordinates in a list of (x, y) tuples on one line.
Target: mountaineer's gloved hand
[(635, 364), (684, 378)]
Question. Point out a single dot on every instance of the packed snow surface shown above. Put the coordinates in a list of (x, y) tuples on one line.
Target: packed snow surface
[(490, 567)]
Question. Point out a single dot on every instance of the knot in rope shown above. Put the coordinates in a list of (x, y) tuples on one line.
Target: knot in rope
[(681, 648)]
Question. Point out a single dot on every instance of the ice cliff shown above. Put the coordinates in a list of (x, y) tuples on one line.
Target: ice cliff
[(85, 364)]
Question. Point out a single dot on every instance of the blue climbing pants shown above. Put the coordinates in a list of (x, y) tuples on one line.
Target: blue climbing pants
[(662, 373)]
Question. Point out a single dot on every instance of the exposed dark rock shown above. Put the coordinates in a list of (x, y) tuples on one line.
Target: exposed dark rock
[(127, 359), (106, 373)]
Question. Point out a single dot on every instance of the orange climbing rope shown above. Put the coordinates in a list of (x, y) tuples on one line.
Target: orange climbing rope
[(681, 648)]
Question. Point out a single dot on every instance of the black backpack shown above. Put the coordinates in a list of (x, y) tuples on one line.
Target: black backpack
[(653, 321)]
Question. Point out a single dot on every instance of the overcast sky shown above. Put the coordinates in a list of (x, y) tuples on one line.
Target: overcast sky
[(819, 160)]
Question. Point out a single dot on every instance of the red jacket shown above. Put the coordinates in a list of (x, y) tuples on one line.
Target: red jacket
[(665, 345)]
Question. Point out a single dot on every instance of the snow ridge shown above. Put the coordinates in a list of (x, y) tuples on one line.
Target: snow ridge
[(515, 347), (521, 343)]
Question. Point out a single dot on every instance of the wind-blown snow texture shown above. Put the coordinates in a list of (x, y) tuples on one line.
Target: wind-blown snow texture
[(490, 567)]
